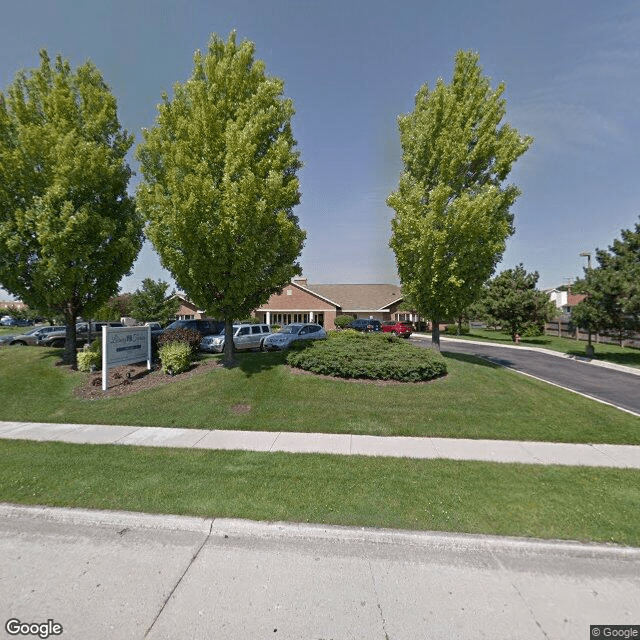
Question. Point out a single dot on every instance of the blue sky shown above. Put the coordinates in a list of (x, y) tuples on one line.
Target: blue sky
[(572, 74)]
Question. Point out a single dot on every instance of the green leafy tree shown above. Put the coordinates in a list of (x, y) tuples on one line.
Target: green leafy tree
[(220, 184), (612, 305), (151, 302), (452, 206), (115, 308), (512, 301), (68, 229)]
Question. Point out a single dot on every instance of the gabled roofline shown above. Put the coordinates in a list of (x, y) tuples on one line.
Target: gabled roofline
[(317, 295), (386, 306)]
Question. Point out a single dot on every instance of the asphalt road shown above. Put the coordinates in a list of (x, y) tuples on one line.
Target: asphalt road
[(615, 387), (115, 576)]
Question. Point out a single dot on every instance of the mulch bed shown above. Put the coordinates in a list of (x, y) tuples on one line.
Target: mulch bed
[(123, 381)]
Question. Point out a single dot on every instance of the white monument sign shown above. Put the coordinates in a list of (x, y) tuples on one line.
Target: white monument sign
[(124, 345)]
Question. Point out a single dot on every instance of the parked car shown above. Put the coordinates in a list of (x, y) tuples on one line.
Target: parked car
[(402, 329), (86, 332), (31, 337), (205, 327), (245, 336), (293, 332), (366, 325), (8, 321)]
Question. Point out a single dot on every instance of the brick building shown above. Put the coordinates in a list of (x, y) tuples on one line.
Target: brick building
[(300, 301)]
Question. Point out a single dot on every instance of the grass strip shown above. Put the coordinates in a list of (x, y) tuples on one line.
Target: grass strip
[(477, 399), (552, 502)]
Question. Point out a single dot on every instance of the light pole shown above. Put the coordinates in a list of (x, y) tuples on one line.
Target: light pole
[(589, 349)]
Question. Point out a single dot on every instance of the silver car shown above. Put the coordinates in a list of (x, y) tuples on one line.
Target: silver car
[(245, 336), (293, 332), (31, 337)]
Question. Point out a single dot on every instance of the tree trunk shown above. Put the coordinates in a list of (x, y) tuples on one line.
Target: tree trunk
[(435, 334), (229, 347), (70, 355)]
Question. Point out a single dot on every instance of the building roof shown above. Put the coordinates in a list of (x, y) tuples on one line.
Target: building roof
[(575, 298), (358, 297)]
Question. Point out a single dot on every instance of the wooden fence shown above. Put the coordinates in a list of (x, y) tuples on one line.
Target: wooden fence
[(564, 328)]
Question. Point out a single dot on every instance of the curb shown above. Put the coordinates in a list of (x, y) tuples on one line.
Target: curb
[(238, 528)]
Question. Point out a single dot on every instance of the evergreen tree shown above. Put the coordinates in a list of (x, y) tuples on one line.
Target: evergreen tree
[(612, 304), (512, 301), (151, 302)]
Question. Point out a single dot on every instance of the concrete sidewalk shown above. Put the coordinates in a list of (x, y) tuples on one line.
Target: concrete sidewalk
[(592, 455)]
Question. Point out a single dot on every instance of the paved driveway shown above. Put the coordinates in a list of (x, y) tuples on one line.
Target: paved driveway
[(615, 387)]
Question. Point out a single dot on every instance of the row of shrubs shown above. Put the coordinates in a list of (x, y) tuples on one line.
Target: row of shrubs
[(349, 354), (345, 354)]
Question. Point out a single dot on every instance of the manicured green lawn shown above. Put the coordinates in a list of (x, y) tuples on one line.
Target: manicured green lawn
[(627, 356), (440, 495), (476, 400)]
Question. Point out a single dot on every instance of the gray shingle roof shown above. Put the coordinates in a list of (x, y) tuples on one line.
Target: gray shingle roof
[(358, 297)]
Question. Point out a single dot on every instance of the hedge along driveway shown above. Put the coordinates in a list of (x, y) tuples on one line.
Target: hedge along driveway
[(475, 400)]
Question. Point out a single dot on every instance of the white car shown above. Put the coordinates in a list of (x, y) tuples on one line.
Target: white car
[(293, 332), (245, 336)]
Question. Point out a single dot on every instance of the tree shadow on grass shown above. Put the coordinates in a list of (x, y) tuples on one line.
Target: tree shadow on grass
[(253, 363), (475, 360)]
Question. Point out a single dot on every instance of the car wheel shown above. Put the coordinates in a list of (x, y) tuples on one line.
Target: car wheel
[(394, 333), (19, 343), (57, 344)]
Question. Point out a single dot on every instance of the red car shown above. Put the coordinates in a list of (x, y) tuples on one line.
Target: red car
[(402, 329)]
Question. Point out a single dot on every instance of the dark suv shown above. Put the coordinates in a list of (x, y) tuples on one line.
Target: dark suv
[(366, 325), (205, 327)]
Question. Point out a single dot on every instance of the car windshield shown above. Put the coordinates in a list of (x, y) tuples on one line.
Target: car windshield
[(291, 328)]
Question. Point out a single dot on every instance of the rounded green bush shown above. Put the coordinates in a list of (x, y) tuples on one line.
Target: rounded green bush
[(175, 357), (349, 354), (88, 359), (342, 321)]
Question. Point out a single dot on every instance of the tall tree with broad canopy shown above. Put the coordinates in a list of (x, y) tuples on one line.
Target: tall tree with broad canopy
[(452, 214), (151, 302), (612, 304), (512, 301), (220, 184), (68, 229)]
